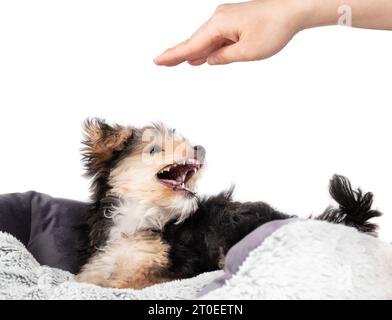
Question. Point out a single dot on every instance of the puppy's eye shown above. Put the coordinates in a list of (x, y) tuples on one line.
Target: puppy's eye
[(155, 149)]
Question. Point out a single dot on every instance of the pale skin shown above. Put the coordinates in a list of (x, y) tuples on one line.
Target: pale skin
[(259, 29)]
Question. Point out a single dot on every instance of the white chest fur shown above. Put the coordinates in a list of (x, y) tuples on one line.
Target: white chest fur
[(132, 216)]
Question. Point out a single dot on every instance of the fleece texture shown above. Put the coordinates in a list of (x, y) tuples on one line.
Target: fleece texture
[(299, 260), (22, 277), (313, 260)]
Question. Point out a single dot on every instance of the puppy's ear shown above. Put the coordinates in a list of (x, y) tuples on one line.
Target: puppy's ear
[(101, 142)]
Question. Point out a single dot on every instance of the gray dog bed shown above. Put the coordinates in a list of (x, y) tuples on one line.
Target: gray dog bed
[(290, 259)]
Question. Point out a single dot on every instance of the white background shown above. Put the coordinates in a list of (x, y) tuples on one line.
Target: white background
[(278, 129)]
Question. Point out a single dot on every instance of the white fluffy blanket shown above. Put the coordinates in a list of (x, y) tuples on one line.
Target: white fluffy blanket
[(301, 260), (21, 277)]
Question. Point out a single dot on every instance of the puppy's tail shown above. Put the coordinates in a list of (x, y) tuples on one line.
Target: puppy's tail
[(354, 207)]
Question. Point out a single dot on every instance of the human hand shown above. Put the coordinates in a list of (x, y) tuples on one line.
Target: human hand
[(240, 32)]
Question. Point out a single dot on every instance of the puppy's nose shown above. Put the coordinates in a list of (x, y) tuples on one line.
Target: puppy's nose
[(200, 153)]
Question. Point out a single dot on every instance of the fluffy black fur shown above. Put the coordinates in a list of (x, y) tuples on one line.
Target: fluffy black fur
[(355, 208), (198, 244)]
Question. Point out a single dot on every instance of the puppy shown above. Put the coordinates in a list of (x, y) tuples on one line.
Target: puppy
[(146, 224)]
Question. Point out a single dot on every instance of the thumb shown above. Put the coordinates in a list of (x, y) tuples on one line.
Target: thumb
[(232, 53)]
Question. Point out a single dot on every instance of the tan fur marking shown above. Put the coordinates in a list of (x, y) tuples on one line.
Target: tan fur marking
[(102, 139), (104, 148), (221, 260), (221, 263), (133, 262), (93, 132)]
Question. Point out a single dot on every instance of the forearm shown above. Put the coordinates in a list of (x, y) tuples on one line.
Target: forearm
[(369, 14)]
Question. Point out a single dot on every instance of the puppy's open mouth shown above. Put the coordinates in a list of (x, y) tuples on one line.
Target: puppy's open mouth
[(176, 175)]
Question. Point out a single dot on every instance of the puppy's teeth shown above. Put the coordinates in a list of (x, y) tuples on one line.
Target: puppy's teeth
[(194, 170), (183, 185)]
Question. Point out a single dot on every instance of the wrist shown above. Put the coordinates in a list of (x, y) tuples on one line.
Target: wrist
[(315, 13)]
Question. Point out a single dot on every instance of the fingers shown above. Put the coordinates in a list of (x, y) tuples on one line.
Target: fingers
[(198, 62), (221, 54), (232, 53), (193, 49)]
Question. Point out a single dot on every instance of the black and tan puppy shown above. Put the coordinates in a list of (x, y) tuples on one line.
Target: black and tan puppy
[(147, 225)]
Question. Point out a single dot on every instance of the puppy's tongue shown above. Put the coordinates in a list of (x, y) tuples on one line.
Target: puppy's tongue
[(175, 183), (170, 182)]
